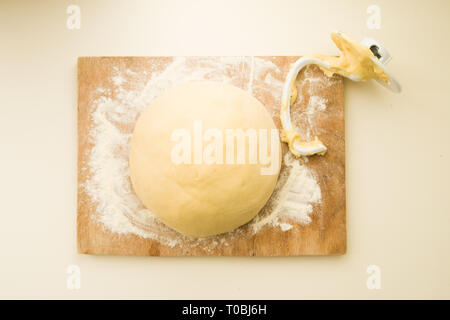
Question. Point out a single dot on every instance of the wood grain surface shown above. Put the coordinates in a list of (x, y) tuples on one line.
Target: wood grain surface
[(325, 235)]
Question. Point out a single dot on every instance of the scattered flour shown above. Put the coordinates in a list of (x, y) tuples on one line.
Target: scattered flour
[(316, 104), (293, 199), (119, 209), (306, 112)]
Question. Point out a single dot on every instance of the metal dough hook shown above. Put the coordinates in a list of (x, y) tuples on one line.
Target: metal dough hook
[(300, 148)]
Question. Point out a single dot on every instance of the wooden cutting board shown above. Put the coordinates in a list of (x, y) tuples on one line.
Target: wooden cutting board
[(326, 234)]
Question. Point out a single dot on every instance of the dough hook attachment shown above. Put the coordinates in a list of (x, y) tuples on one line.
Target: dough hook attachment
[(381, 59), (358, 62)]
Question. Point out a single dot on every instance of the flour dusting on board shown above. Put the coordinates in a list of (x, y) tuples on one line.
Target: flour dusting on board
[(109, 186)]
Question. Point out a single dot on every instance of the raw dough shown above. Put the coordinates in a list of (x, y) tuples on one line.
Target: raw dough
[(200, 200)]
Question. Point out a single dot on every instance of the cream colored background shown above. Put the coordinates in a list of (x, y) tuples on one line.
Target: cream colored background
[(398, 149)]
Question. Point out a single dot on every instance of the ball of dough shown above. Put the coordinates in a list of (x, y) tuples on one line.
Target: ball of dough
[(199, 200)]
